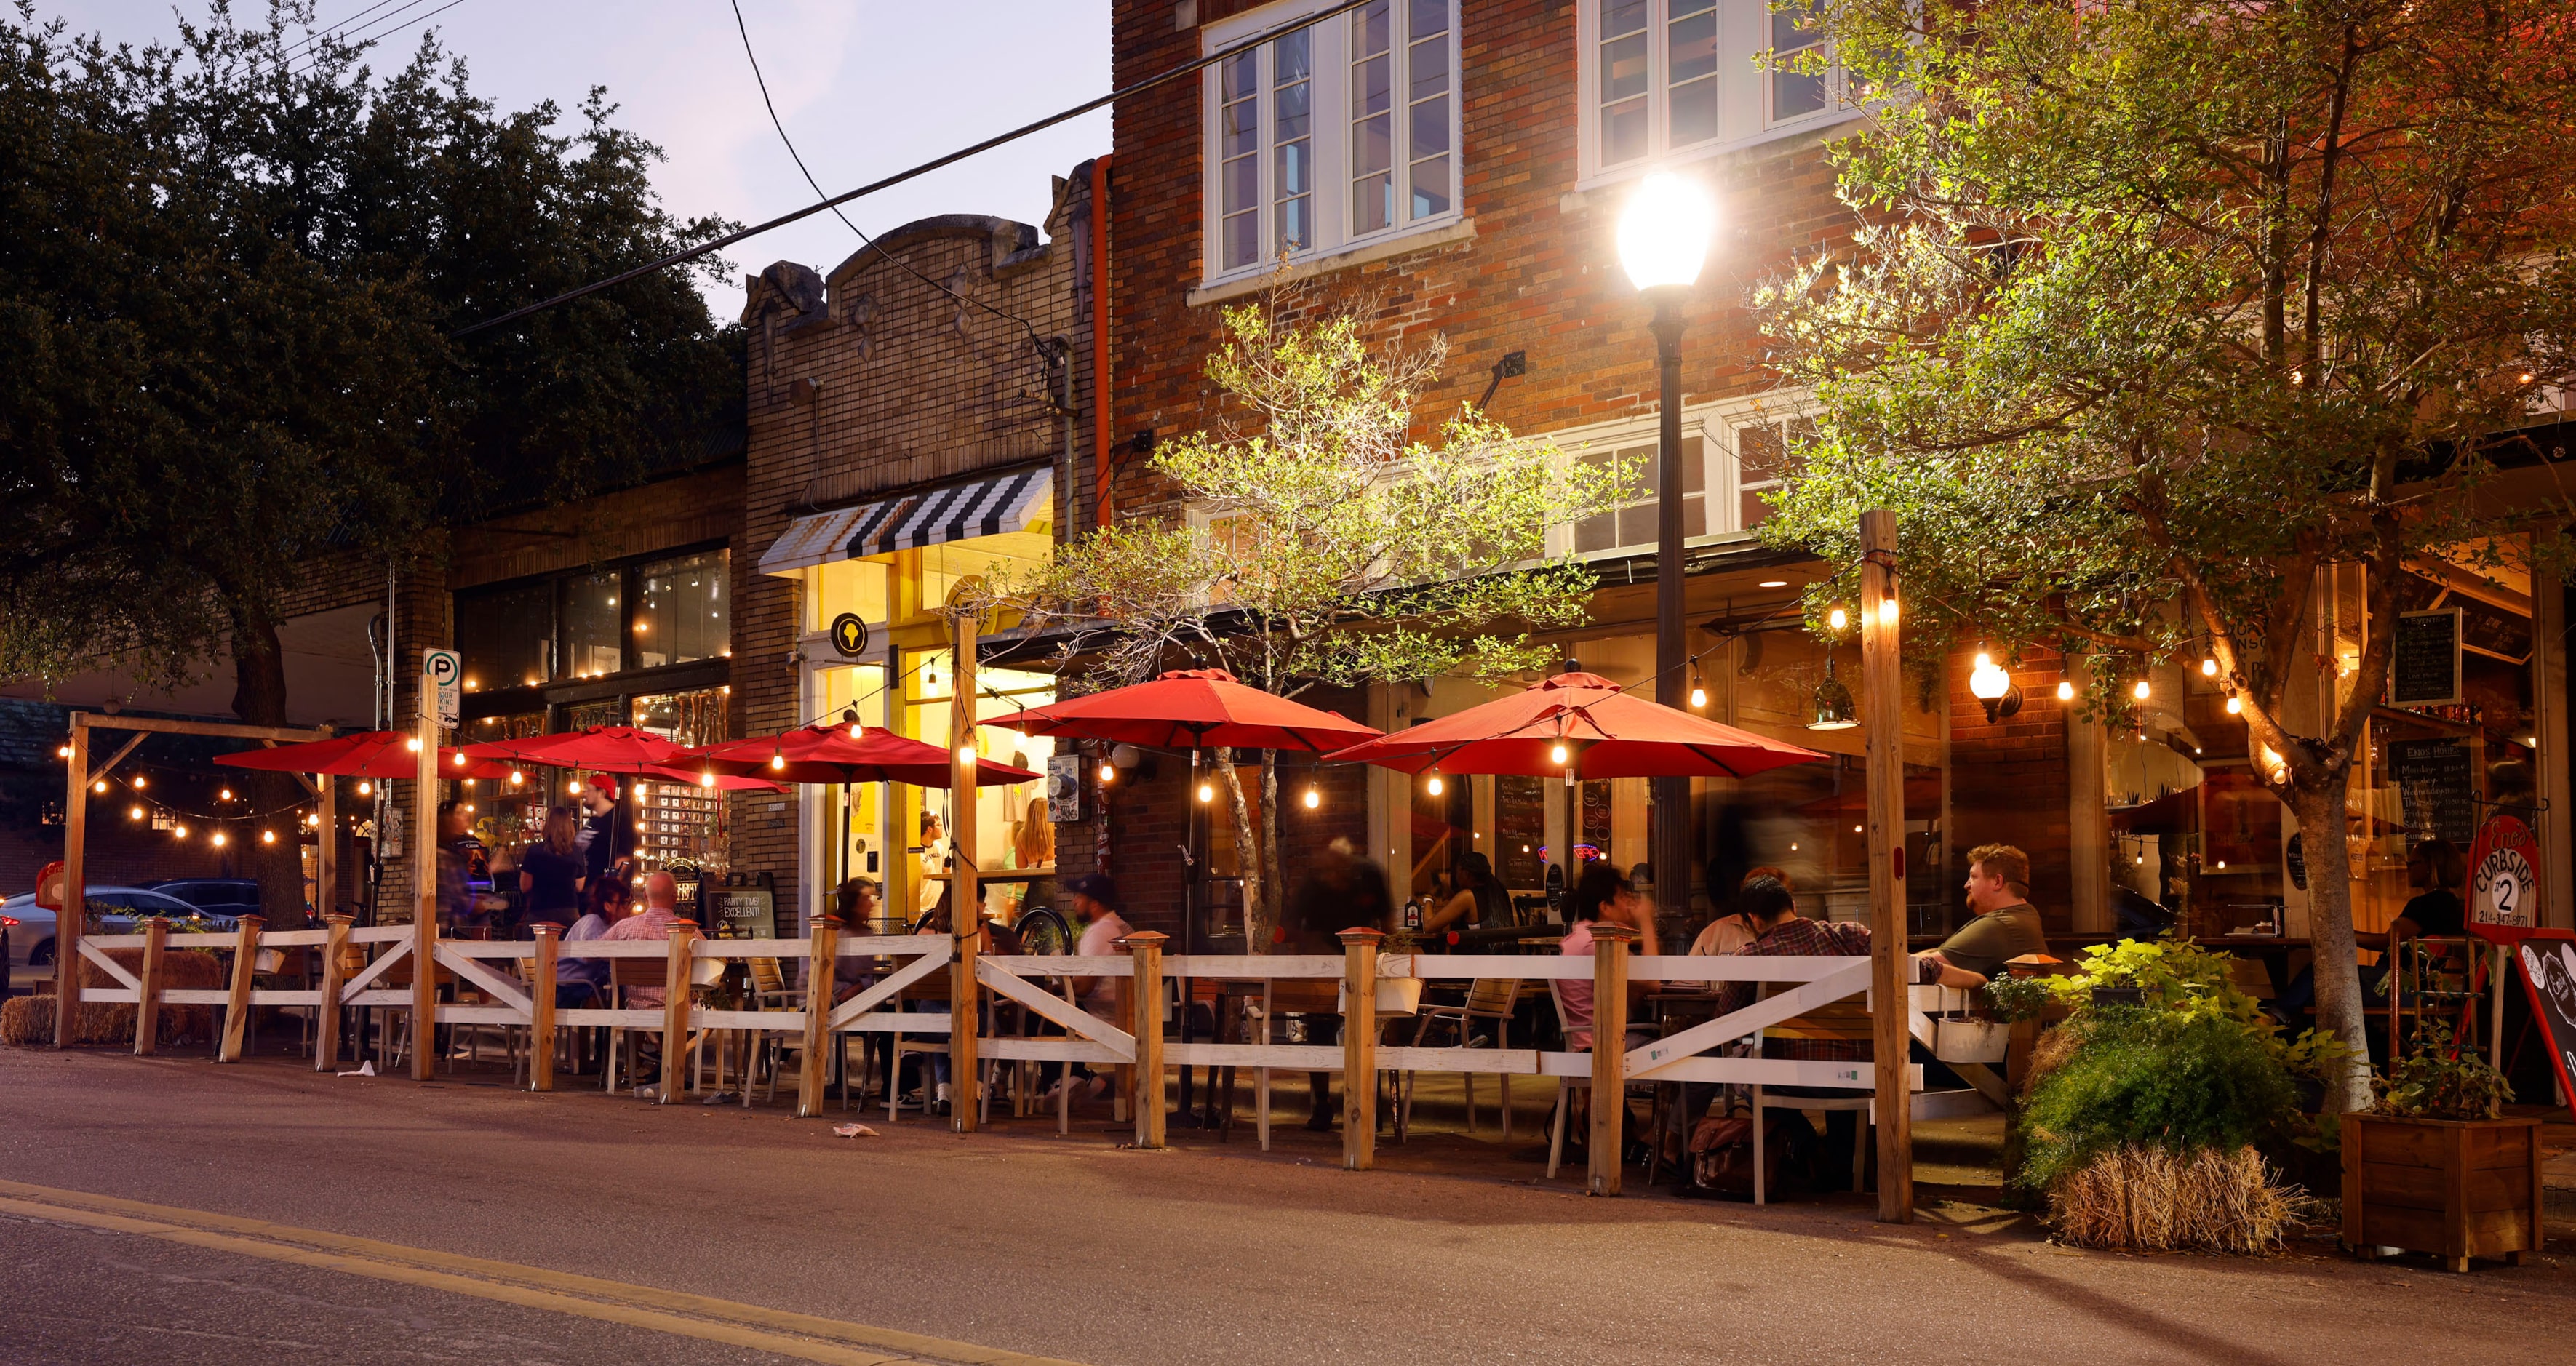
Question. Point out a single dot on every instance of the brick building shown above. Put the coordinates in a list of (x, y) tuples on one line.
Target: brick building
[(1465, 165), (914, 423)]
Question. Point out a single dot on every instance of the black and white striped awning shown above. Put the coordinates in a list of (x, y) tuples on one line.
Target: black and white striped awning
[(987, 507)]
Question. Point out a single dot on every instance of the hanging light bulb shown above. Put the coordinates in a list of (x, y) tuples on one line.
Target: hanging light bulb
[(412, 744), (1557, 754), (1837, 619), (573, 786), (268, 837), (966, 754), (460, 758), (2235, 705), (2209, 668), (1314, 796), (1108, 773), (225, 795), (1887, 611), (178, 832), (99, 786), (706, 780), (516, 777), (1434, 785), (2140, 690), (134, 813), (366, 788), (63, 752), (2065, 690), (1207, 792), (1699, 690), (220, 841), (138, 782), (777, 758)]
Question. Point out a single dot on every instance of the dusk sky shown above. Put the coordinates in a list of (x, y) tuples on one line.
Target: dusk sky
[(866, 87)]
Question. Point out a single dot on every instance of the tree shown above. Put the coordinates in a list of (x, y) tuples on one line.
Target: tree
[(2162, 307), (227, 280), (1336, 549)]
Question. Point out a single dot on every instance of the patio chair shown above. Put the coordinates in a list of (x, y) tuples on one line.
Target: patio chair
[(1566, 1086), (1488, 998)]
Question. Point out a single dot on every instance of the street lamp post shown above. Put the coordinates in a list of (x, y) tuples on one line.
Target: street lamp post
[(1663, 241)]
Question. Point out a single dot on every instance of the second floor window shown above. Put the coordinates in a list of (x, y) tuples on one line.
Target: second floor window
[(1672, 77), (1332, 135)]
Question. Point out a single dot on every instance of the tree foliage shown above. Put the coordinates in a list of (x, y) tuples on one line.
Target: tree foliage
[(2160, 307), (1332, 545)]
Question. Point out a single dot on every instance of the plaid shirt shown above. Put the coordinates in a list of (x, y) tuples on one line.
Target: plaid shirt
[(1805, 938)]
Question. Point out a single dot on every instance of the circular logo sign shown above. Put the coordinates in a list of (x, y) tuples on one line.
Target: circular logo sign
[(849, 635), (2504, 877)]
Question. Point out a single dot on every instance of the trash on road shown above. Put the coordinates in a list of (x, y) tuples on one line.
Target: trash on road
[(854, 1131), (365, 1069)]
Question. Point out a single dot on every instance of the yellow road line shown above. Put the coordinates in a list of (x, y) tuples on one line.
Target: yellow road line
[(806, 1337)]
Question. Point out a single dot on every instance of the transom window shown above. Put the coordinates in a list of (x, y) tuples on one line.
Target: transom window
[(1667, 77), (1331, 135)]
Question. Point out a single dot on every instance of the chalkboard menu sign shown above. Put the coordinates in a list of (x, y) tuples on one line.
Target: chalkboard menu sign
[(2548, 961), (2436, 784), (2426, 672), (740, 912)]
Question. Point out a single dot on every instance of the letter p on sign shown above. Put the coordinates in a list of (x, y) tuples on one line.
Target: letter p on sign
[(442, 671)]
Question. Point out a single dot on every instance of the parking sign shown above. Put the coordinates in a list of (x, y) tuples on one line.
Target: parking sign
[(442, 671)]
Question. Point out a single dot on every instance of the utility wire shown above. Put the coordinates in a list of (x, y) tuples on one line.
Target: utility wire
[(371, 39), (317, 33), (899, 177), (864, 239)]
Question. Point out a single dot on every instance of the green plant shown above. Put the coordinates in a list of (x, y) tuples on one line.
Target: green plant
[(2143, 1077), (2438, 1081), (2176, 975), (2019, 998)]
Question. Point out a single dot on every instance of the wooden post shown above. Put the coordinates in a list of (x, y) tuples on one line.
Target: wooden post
[(1146, 946), (424, 939), (326, 1017), (1610, 943), (75, 907), (237, 1005), (541, 1009), (1882, 729), (147, 1010), (965, 898), (822, 951), (675, 1011), (1359, 1047)]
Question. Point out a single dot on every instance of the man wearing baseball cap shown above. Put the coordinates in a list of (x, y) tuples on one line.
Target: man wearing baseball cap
[(607, 841)]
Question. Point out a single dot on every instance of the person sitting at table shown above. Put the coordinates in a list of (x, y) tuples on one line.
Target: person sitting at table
[(1600, 895), (1732, 931), (1093, 900), (552, 873), (653, 923), (1765, 904), (1450, 906), (583, 982), (2005, 928)]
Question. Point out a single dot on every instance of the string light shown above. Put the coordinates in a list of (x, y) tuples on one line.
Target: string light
[(1557, 753), (2235, 705), (268, 837), (178, 832), (460, 758), (573, 786), (1887, 612), (1314, 796), (1207, 792), (1837, 619), (1699, 690), (138, 782), (225, 795), (2140, 691), (966, 754), (412, 744), (99, 786), (134, 813), (516, 777), (365, 788), (63, 752), (1435, 786), (1108, 773), (2209, 668), (707, 779), (2065, 690), (777, 758)]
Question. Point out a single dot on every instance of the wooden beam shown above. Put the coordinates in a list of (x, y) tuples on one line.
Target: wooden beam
[(1610, 942), (675, 1011), (541, 1009), (424, 953), (237, 1006), (326, 852), (75, 907), (227, 729), (1147, 946), (117, 758), (1359, 1047), (326, 1019), (965, 897), (1883, 733), (821, 961), (147, 1005)]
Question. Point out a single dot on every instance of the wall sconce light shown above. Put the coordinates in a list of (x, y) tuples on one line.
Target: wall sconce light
[(1989, 684)]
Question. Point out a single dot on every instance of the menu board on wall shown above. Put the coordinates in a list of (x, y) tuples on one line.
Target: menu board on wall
[(2426, 671), (2437, 786), (1520, 827)]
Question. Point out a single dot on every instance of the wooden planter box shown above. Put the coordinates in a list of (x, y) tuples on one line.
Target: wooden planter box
[(2457, 1188)]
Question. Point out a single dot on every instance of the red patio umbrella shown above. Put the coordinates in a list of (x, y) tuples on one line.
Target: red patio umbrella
[(827, 753), (1583, 723), (700, 777), (1192, 709), (597, 749), (366, 754)]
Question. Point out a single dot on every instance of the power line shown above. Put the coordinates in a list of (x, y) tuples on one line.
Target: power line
[(371, 39), (899, 177), (317, 34), (864, 239)]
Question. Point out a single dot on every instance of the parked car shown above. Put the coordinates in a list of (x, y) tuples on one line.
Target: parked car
[(213, 895), (27, 929)]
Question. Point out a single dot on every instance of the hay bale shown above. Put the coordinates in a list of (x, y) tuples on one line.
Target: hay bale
[(2139, 1199), (27, 1020), (30, 1019)]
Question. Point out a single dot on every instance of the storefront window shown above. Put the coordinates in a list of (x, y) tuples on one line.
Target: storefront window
[(682, 613), (848, 586), (506, 636), (591, 626), (508, 814), (1003, 812), (681, 826)]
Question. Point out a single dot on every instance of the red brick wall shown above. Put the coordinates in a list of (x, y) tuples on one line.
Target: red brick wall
[(2008, 782)]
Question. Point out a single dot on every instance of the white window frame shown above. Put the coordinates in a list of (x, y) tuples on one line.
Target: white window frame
[(1744, 117), (1721, 476), (1330, 203)]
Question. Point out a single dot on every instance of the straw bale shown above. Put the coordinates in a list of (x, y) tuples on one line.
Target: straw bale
[(2140, 1199), (30, 1019)]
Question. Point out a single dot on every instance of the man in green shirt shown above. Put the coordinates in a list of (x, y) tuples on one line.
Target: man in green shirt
[(2006, 926)]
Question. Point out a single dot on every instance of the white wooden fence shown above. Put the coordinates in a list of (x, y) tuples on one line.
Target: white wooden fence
[(516, 980)]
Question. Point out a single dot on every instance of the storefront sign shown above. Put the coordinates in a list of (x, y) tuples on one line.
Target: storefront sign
[(2436, 787), (849, 635), (2426, 671), (740, 912), (2504, 874)]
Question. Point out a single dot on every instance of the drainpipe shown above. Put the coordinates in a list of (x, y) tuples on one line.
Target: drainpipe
[(1100, 416)]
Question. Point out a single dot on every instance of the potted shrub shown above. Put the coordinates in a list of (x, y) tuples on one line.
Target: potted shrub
[(2436, 1166)]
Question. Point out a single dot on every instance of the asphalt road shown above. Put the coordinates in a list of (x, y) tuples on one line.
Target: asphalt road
[(171, 1210)]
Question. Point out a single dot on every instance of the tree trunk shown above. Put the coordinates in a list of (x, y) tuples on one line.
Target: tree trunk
[(1247, 851), (1274, 890), (2338, 974), (259, 699)]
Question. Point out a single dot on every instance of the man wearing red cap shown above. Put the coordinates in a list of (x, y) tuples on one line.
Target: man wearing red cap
[(607, 842)]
